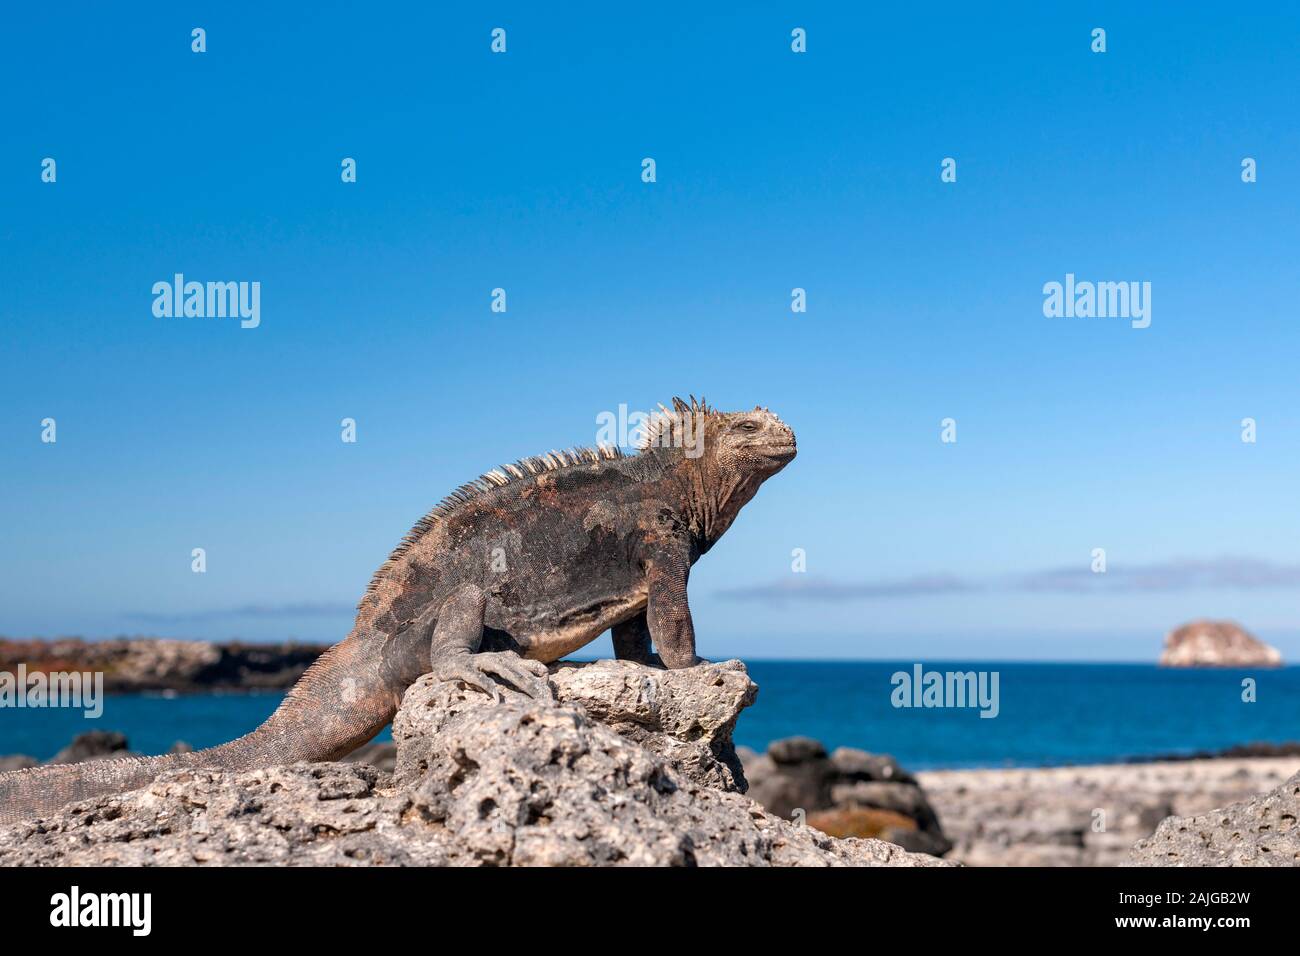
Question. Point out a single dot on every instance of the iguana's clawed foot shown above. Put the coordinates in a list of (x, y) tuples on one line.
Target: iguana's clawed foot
[(654, 660), (490, 670)]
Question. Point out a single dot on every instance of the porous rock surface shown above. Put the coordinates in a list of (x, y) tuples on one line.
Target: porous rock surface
[(687, 721), (1261, 831)]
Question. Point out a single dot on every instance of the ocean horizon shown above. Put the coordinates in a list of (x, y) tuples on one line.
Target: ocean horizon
[(1047, 714)]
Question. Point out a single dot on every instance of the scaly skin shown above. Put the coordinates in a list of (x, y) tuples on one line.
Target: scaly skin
[(509, 573)]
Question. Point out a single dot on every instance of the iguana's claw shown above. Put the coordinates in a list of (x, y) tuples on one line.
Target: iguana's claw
[(487, 671)]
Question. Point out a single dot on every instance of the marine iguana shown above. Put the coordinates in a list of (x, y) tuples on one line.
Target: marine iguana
[(516, 569)]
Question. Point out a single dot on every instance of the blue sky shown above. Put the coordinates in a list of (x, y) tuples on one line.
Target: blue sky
[(775, 170)]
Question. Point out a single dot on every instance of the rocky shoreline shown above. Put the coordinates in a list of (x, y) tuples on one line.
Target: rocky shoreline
[(635, 765), (1097, 815), (140, 664), (628, 765), (1090, 815)]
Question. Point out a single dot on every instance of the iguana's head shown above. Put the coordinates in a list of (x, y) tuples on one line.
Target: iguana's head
[(743, 446), (753, 444), (725, 456)]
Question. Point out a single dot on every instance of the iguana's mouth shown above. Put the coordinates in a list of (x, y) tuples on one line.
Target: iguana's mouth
[(779, 452)]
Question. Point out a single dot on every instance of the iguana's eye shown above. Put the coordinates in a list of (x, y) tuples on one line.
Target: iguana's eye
[(749, 426)]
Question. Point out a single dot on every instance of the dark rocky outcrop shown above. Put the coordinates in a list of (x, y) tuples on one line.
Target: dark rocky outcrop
[(847, 793), (1216, 644), (1261, 831), (1253, 749), (93, 745), (520, 782), (159, 664)]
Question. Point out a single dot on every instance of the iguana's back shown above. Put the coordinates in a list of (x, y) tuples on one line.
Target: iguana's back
[(555, 542)]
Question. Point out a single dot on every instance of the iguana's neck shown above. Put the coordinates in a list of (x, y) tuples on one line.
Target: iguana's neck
[(711, 497)]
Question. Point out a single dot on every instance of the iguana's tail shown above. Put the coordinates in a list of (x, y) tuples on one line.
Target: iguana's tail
[(339, 703)]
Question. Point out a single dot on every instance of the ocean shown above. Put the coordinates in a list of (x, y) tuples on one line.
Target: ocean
[(1048, 714)]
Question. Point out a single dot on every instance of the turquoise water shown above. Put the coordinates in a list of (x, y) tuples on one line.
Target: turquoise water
[(1048, 714)]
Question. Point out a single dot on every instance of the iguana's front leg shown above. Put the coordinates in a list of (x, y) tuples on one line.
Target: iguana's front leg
[(454, 652), (632, 642), (667, 613)]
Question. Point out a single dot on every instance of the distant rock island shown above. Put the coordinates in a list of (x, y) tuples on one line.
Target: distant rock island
[(134, 664), (1206, 643)]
